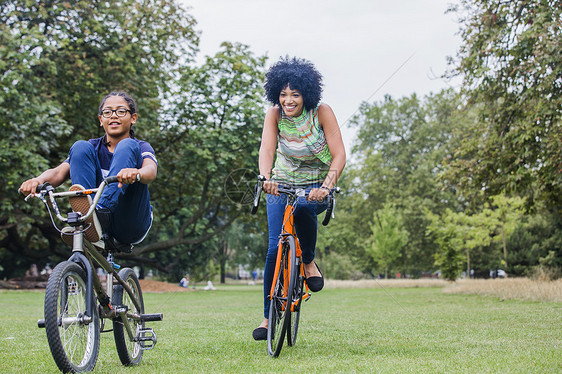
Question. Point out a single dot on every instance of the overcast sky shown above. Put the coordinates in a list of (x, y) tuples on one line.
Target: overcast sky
[(357, 45)]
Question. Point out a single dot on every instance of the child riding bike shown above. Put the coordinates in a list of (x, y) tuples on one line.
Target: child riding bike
[(124, 211)]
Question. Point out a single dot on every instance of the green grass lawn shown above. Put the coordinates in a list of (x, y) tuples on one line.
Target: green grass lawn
[(342, 330)]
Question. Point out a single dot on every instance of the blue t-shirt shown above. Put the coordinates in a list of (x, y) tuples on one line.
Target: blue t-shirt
[(104, 156)]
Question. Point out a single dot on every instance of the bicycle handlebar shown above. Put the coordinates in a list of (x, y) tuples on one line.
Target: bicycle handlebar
[(299, 192), (47, 189)]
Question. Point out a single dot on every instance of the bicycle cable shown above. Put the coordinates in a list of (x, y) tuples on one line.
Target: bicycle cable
[(55, 225)]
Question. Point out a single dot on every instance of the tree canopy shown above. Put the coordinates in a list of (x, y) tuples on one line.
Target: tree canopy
[(59, 58), (453, 179), (511, 63)]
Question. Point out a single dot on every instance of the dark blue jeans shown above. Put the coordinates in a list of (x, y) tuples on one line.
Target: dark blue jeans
[(306, 226), (131, 212)]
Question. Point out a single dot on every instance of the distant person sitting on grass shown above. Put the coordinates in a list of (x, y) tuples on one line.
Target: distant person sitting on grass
[(184, 282)]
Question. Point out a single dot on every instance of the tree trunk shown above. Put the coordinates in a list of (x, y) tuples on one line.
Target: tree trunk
[(223, 262), (504, 250), (468, 263), (223, 272)]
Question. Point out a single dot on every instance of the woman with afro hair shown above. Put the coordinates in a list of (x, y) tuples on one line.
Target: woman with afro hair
[(302, 135)]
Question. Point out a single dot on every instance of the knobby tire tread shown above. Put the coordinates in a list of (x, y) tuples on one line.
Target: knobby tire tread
[(129, 354), (51, 309)]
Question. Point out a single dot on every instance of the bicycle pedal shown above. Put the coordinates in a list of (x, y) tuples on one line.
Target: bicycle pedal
[(146, 338)]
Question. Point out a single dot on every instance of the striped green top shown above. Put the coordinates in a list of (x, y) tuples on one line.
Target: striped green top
[(303, 156)]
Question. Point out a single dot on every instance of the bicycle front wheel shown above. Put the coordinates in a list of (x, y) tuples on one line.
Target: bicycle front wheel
[(280, 304), (297, 295), (74, 337), (130, 352)]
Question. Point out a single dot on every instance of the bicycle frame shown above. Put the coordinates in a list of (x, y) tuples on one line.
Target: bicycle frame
[(289, 287), (82, 254), (288, 232)]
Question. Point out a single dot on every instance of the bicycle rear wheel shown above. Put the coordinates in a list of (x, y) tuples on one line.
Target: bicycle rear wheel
[(130, 352), (297, 295), (280, 307), (73, 337)]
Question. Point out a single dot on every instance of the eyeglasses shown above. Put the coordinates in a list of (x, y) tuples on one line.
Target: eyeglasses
[(121, 112)]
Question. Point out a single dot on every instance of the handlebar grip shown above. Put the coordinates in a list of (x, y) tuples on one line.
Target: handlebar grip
[(257, 197), (329, 210), (42, 187), (331, 205), (112, 179), (257, 193)]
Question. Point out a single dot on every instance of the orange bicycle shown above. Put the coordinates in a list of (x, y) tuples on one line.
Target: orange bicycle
[(289, 288)]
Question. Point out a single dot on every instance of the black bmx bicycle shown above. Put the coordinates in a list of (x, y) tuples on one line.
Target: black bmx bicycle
[(288, 288), (76, 302)]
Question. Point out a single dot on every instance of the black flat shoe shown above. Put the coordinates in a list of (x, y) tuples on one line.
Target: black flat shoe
[(260, 333), (315, 284)]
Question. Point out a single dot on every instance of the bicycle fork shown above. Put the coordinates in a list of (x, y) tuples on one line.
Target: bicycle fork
[(144, 336)]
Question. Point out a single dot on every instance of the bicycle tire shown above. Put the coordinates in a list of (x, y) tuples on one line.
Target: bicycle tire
[(297, 295), (279, 307), (130, 352), (74, 342)]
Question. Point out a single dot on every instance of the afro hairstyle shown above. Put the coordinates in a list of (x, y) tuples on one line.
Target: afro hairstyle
[(298, 74)]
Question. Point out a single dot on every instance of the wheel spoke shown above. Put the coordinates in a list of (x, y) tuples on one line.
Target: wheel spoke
[(130, 351), (74, 343)]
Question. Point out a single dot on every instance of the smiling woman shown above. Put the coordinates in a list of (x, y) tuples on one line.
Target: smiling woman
[(303, 136)]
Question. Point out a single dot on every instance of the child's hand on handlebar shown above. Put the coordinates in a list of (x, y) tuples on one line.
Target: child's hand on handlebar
[(29, 186), (128, 176)]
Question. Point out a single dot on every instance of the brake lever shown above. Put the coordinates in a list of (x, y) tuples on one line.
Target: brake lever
[(30, 196)]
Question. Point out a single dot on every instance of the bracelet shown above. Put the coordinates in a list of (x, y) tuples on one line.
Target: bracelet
[(326, 188)]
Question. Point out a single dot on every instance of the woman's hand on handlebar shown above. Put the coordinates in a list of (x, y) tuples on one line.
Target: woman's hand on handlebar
[(271, 187), (318, 194)]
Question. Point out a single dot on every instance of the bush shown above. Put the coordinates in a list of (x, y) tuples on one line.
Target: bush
[(340, 266)]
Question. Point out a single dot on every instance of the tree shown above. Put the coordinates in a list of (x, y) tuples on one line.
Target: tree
[(534, 239), (388, 238), (493, 223), (507, 214), (397, 159), (445, 230), (242, 245), (511, 63), (57, 60), (212, 131)]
